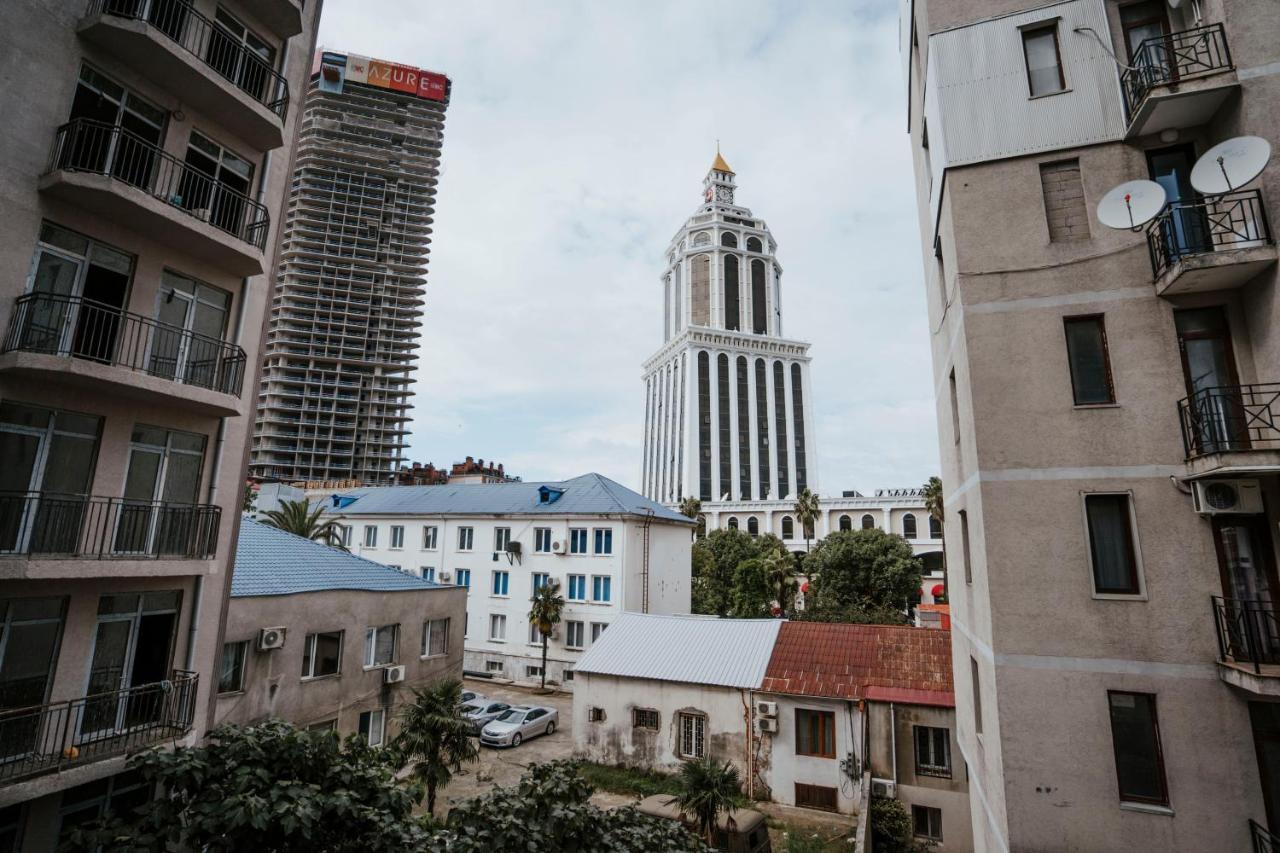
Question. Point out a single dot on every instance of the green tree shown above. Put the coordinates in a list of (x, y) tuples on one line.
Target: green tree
[(855, 572), (249, 495), (932, 491), (891, 828), (298, 518), (782, 569), (704, 591), (692, 508), (713, 580), (752, 594), (707, 789), (548, 605), (807, 513), (434, 736)]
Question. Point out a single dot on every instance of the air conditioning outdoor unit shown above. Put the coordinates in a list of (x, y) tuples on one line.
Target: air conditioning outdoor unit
[(766, 709), (884, 788), (1214, 497), (557, 547), (768, 725), (270, 638), (393, 675), (444, 576)]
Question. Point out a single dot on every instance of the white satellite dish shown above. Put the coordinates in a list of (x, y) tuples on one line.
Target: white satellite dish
[(1131, 205), (1230, 165)]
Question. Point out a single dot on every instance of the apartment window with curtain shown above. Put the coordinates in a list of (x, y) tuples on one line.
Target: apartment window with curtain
[(435, 637), (604, 540), (429, 538), (933, 751), (322, 654), (380, 645), (1112, 550), (1044, 60), (1135, 739), (372, 726), (577, 587), (497, 627), (815, 733), (501, 583), (1089, 361), (231, 676)]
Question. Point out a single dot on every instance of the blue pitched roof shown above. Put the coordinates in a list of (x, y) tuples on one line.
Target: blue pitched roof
[(272, 562), (590, 494)]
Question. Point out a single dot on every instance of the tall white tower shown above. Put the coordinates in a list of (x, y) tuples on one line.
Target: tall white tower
[(728, 408)]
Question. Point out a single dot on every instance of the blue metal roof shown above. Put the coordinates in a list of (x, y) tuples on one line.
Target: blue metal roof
[(590, 494), (272, 562)]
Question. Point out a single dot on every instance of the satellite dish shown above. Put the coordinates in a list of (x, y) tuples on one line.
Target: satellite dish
[(1131, 205), (1230, 165)]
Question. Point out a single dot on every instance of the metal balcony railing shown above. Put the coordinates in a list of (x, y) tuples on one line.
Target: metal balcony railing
[(1231, 418), (1248, 631), (1263, 839), (1165, 60), (81, 328), (46, 738), (213, 45), (59, 526), (84, 145), (1235, 220)]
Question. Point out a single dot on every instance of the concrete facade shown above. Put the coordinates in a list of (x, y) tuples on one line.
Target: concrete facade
[(145, 153), (1060, 659)]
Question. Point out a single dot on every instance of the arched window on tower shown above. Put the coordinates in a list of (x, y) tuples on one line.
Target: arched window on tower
[(754, 244), (701, 290), (909, 526), (868, 523), (702, 238), (732, 314), (935, 528), (729, 239), (788, 528), (759, 304), (753, 526), (733, 522), (846, 523)]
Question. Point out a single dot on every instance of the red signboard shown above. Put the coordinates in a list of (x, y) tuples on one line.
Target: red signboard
[(432, 86)]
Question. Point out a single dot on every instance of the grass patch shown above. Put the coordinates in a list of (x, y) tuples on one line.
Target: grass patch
[(631, 781)]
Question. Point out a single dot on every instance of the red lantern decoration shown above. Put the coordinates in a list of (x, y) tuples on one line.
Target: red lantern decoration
[(939, 590)]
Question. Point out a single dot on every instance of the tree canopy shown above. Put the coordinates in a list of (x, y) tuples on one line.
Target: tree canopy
[(298, 518), (715, 560), (861, 576)]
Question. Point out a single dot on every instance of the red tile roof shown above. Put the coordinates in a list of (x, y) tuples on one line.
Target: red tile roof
[(888, 663)]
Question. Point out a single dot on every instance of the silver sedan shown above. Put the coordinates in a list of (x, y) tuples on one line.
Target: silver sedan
[(482, 711), (516, 724)]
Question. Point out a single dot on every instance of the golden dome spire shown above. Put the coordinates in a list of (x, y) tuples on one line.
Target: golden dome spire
[(720, 165)]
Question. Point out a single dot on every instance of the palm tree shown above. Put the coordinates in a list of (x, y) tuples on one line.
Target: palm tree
[(932, 492), (435, 736), (807, 513), (548, 604), (707, 789), (692, 508), (298, 518), (780, 565)]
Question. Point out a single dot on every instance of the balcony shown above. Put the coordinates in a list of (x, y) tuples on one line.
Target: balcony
[(1211, 244), (1263, 840), (1248, 644), (48, 738), (170, 42), (1232, 429), (282, 17), (110, 171), (1178, 80), (85, 343)]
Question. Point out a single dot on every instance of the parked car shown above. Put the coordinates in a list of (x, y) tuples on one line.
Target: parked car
[(738, 831), (516, 724), (483, 711), (470, 696)]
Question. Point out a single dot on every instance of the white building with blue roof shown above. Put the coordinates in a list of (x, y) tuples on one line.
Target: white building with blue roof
[(611, 550)]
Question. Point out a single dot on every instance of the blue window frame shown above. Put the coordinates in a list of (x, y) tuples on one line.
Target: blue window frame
[(577, 540), (601, 588), (604, 540), (429, 573), (500, 582), (577, 587), (464, 578), (539, 580), (542, 540)]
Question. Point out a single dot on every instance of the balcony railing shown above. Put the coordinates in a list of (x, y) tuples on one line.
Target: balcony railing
[(1236, 220), (1248, 631), (207, 41), (1263, 840), (1165, 60), (83, 145), (56, 526), (46, 738), (81, 328), (1231, 418)]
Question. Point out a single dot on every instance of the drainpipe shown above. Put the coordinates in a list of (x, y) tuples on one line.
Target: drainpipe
[(749, 706), (893, 739)]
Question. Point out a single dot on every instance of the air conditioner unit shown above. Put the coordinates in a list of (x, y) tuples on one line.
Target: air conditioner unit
[(768, 725), (884, 788), (766, 709), (558, 547), (393, 675), (270, 638), (1213, 497), (444, 576), (513, 548)]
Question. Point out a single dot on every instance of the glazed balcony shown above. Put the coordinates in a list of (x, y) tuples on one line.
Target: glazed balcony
[(100, 348), (1178, 81), (1232, 429), (1210, 244), (170, 42), (60, 735), (1248, 644), (112, 172)]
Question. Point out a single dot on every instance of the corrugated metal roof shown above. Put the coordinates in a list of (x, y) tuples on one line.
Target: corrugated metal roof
[(272, 562), (589, 494), (691, 649)]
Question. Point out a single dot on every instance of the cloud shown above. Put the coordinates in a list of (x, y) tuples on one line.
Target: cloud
[(574, 148)]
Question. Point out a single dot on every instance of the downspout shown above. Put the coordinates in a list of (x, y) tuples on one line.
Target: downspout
[(893, 739), (749, 715)]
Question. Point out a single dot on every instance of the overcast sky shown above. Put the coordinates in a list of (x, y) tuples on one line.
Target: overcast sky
[(575, 146)]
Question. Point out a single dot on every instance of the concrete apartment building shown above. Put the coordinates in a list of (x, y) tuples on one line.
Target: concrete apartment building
[(1108, 415), (610, 549), (328, 640), (145, 147), (333, 403)]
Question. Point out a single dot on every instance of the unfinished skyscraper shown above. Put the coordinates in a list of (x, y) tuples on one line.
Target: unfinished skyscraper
[(334, 398)]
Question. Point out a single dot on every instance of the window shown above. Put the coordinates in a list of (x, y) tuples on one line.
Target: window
[(86, 803), (497, 627), (601, 588), (370, 536), (733, 522), (797, 406), (759, 303), (568, 675), (372, 726), (540, 580), (693, 736), (815, 733), (927, 822), (429, 537), (321, 654), (464, 577), (435, 637), (597, 628), (493, 666), (573, 634), (704, 426), (542, 540), (501, 538), (380, 645), (728, 238), (754, 244), (1064, 207), (1135, 738), (846, 523), (868, 522), (429, 573), (788, 528), (964, 546), (533, 672), (909, 526), (1044, 60), (977, 695), (644, 718), (577, 587), (604, 540), (753, 526), (955, 406), (465, 537), (324, 726), (577, 540), (225, 170), (725, 427), (933, 751), (1111, 545), (345, 535), (231, 675), (1089, 362), (595, 715), (501, 581), (732, 311), (935, 528), (392, 566), (397, 536), (816, 797)]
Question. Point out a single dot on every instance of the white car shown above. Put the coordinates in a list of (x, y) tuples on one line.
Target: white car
[(482, 711), (516, 724), (471, 697)]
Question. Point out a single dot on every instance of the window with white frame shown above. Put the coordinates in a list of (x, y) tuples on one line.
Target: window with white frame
[(577, 540), (604, 540), (466, 535), (577, 589), (501, 583), (231, 675), (601, 588), (493, 666), (345, 535), (429, 573), (1113, 550), (322, 654), (435, 637), (539, 580), (429, 537), (373, 726), (380, 645), (535, 636), (933, 751), (542, 540), (497, 627), (370, 536), (573, 634), (463, 577), (644, 718), (533, 672), (693, 735), (597, 628), (926, 822), (397, 536), (501, 538)]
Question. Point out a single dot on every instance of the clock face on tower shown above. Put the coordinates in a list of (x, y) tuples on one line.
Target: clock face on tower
[(724, 194)]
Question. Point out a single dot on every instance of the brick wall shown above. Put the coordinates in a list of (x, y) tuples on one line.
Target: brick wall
[(1064, 201)]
